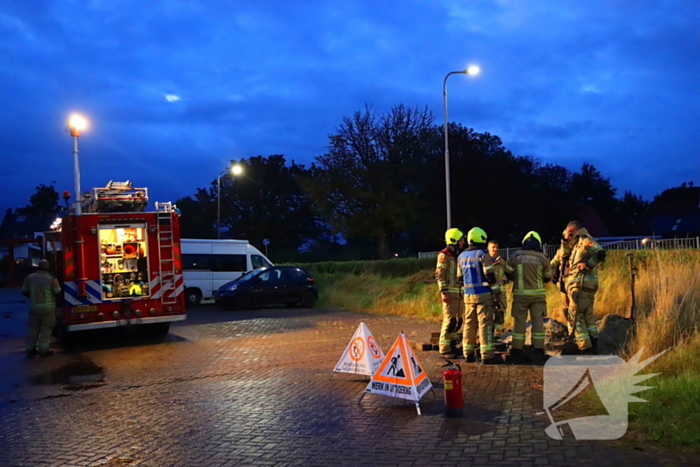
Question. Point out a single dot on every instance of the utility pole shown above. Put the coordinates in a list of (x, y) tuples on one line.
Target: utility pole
[(633, 275)]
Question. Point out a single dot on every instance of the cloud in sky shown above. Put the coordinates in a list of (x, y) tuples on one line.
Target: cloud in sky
[(610, 82)]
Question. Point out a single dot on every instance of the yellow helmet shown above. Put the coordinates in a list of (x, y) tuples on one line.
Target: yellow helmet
[(452, 236), (533, 234), (476, 235)]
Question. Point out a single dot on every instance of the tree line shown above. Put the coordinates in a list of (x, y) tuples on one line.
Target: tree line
[(379, 191)]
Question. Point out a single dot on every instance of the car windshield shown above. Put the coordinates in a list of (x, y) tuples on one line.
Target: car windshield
[(250, 274)]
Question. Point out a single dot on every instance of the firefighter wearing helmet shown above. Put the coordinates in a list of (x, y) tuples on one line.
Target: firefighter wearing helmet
[(582, 283), (481, 290), (451, 293), (529, 269), (560, 270)]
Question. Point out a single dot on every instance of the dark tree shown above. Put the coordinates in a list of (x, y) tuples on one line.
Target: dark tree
[(265, 201), (369, 182), (686, 192), (44, 201), (198, 218), (631, 209), (491, 188)]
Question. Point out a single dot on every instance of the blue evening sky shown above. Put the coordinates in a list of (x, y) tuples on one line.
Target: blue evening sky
[(175, 89)]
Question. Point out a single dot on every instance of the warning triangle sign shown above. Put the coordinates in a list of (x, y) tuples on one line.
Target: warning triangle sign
[(401, 374), (362, 355)]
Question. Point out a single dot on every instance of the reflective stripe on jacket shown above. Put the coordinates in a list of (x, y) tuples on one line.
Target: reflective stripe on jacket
[(446, 272), (474, 266), (41, 287), (530, 270)]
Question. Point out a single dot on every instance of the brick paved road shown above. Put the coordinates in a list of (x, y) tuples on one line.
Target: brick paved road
[(252, 388)]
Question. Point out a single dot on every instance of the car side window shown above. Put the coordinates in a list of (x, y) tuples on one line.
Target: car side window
[(270, 276), (294, 275)]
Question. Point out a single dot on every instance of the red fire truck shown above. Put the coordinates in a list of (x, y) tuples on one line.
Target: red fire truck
[(118, 265)]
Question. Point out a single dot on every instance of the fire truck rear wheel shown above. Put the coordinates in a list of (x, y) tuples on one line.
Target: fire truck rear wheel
[(193, 297)]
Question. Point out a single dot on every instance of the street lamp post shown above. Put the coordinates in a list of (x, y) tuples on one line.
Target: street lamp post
[(75, 124), (235, 169), (472, 70)]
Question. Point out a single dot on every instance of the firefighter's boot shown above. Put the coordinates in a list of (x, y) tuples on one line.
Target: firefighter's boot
[(539, 357), (470, 357), (495, 360), (516, 357), (570, 348), (593, 350), (453, 352)]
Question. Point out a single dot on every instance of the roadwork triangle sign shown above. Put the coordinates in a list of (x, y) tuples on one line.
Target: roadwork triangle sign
[(401, 374), (362, 356)]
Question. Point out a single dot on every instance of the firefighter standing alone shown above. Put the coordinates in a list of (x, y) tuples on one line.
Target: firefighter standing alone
[(582, 283), (451, 292), (40, 287), (481, 290)]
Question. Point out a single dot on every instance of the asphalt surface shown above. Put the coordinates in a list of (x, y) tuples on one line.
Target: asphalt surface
[(252, 388)]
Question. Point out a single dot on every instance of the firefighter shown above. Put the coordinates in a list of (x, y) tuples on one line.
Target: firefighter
[(529, 269), (582, 284), (499, 266), (560, 270), (451, 292), (481, 290), (40, 287)]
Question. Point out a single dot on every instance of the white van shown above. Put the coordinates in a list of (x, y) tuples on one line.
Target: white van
[(209, 264)]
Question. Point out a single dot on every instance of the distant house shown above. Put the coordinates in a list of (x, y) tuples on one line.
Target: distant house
[(20, 226), (669, 220)]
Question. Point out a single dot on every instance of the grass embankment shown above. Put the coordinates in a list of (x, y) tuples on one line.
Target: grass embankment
[(668, 316)]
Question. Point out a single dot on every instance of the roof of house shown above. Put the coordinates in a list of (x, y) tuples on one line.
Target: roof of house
[(670, 219)]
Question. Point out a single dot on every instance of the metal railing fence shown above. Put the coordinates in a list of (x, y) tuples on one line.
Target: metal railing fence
[(636, 244)]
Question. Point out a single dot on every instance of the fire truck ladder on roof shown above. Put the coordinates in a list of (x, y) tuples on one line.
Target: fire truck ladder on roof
[(166, 249), (115, 197)]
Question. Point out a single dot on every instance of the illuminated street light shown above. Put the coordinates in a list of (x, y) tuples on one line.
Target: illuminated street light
[(472, 70), (76, 123), (235, 169)]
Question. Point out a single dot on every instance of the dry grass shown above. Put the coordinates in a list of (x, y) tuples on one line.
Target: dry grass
[(415, 296), (669, 305)]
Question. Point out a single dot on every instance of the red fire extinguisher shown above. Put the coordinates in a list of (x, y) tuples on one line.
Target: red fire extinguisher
[(453, 388)]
